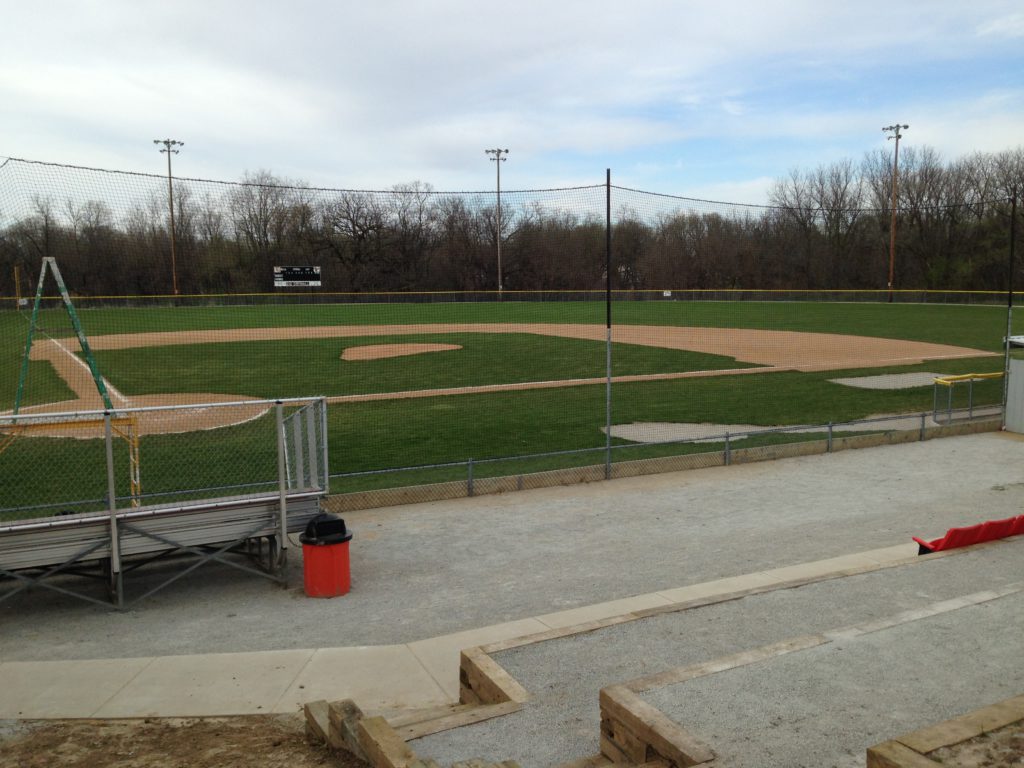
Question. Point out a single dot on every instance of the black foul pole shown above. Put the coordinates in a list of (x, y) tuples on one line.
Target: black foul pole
[(608, 248), (1013, 241), (608, 322), (1009, 303)]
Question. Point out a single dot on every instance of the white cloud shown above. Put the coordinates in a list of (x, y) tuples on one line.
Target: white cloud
[(988, 123), (749, 191), (369, 94), (733, 108), (1011, 26)]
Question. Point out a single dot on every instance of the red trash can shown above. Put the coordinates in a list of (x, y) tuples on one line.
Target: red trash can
[(325, 564)]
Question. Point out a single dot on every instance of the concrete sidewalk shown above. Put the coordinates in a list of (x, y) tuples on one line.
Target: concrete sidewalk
[(417, 674)]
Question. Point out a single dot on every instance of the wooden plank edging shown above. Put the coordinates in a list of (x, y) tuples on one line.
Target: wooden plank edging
[(483, 681), (632, 728), (911, 750)]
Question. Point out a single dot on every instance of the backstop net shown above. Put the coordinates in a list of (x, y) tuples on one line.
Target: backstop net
[(766, 324)]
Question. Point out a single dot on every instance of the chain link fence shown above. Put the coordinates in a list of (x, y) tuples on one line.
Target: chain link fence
[(625, 319), (93, 462), (102, 493)]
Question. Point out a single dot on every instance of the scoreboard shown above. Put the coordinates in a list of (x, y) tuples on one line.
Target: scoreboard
[(296, 277)]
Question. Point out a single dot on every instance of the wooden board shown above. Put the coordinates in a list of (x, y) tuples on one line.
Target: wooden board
[(482, 680), (643, 732), (383, 747), (464, 715)]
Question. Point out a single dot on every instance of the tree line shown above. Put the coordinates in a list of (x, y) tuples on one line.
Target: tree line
[(825, 228)]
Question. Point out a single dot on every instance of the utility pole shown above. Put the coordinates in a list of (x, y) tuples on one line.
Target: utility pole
[(895, 130), (169, 149), (498, 159)]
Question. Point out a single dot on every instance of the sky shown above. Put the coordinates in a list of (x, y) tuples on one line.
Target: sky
[(714, 100)]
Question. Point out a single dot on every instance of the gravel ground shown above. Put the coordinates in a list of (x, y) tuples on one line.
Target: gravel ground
[(825, 706), (430, 569), (564, 676)]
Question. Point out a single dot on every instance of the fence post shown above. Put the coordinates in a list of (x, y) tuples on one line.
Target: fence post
[(921, 436), (830, 437), (608, 408), (1009, 304), (282, 484), (469, 477), (323, 438), (970, 398), (115, 541), (728, 450)]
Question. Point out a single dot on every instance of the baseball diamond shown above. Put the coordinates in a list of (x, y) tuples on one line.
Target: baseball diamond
[(768, 351)]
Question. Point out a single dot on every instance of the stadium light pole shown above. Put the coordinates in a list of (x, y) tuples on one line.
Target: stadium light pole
[(895, 130), (169, 149), (497, 156)]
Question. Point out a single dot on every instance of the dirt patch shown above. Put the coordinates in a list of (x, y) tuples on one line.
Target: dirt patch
[(238, 742), (383, 351), (1001, 748), (148, 422), (795, 350)]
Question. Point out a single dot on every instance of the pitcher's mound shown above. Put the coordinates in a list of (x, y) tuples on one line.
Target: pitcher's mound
[(380, 351)]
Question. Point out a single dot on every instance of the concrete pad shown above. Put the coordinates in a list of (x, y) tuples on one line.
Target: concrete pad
[(720, 586), (663, 432), (599, 611), (209, 685), (375, 676), (832, 565), (892, 380), (41, 689), (440, 655), (887, 555)]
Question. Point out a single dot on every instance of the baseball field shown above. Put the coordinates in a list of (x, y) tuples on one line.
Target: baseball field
[(415, 384)]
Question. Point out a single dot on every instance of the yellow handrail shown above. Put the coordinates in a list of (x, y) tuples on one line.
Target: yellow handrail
[(948, 381)]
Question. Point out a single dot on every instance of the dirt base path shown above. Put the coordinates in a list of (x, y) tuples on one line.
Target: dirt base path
[(772, 350), (791, 349)]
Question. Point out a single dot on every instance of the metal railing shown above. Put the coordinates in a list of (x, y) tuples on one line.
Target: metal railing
[(951, 383), (90, 461), (133, 485), (721, 446)]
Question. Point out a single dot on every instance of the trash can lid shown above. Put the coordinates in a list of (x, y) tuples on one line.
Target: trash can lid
[(325, 529)]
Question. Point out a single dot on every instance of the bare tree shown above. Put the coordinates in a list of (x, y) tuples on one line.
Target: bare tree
[(354, 231)]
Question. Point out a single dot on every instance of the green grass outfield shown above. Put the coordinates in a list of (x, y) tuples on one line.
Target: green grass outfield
[(978, 326), (400, 433)]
